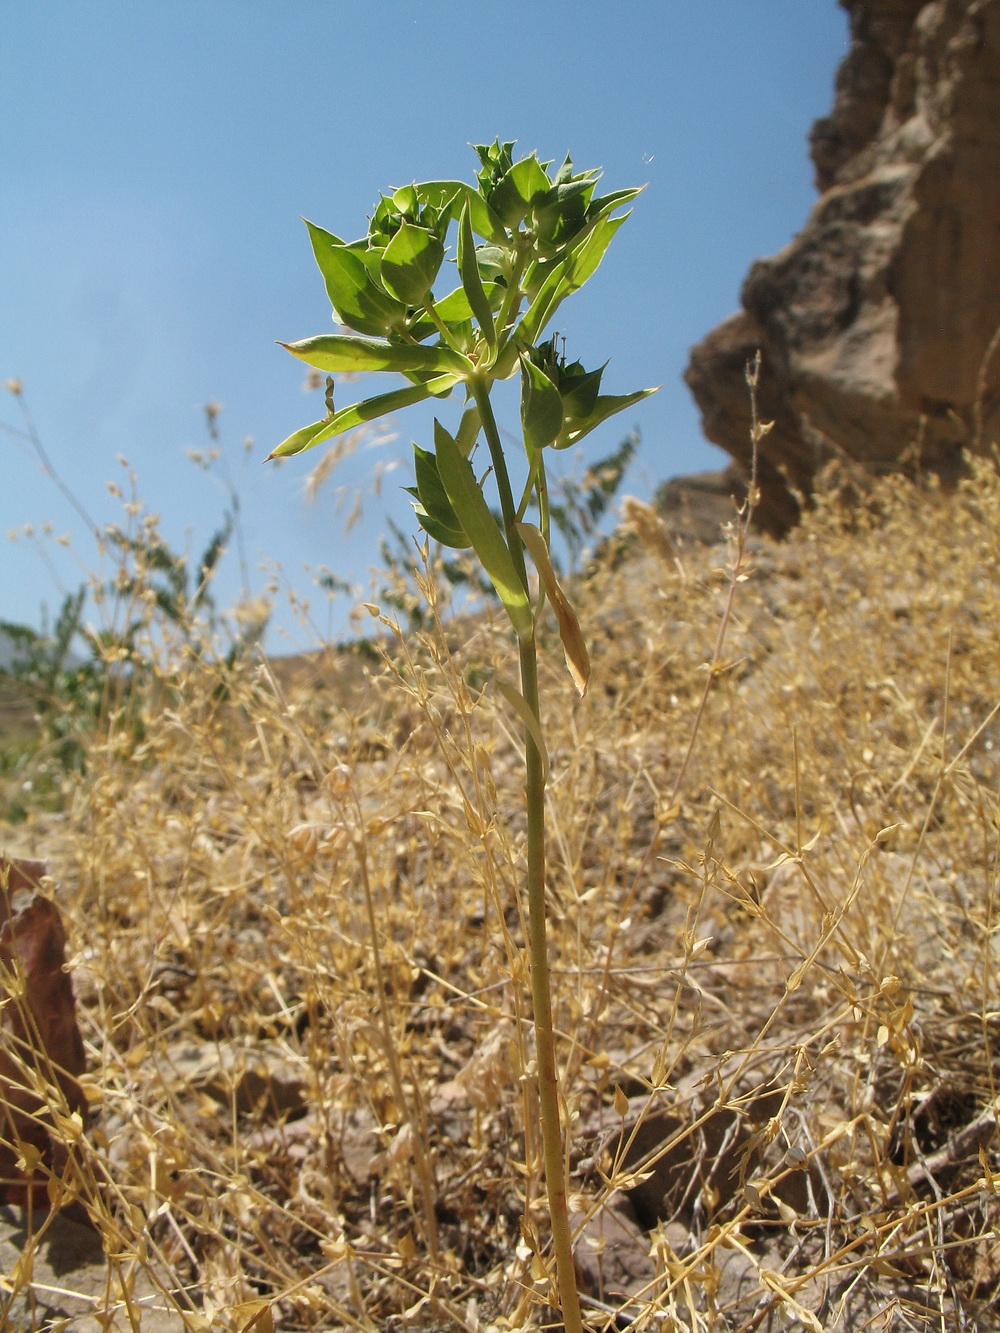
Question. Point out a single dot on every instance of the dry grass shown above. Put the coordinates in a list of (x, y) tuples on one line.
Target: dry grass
[(778, 1030)]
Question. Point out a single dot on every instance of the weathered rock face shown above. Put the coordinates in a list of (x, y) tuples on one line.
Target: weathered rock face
[(879, 323)]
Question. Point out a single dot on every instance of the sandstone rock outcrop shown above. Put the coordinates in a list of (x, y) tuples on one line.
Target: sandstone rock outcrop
[(879, 323)]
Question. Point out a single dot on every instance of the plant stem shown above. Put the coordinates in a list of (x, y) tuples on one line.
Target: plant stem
[(446, 334), (553, 1155), (541, 999)]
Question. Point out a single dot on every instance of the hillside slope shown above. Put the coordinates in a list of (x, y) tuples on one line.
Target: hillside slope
[(773, 915)]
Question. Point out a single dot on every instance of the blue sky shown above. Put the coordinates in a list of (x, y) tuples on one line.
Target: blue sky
[(157, 158)]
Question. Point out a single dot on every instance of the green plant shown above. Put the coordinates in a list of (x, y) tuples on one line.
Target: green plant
[(77, 677), (541, 237), (56, 698)]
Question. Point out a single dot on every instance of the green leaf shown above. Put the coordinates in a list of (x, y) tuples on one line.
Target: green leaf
[(370, 256), (455, 308), (605, 407), (514, 195), (440, 532), (405, 199), (493, 263), (358, 413), (472, 283), (494, 159), (484, 532), (340, 351), (301, 440), (356, 298), (604, 204), (562, 211), (579, 389), (468, 429), (541, 406), (453, 196), (410, 263), (538, 313), (587, 250), (434, 501), (383, 221), (566, 276)]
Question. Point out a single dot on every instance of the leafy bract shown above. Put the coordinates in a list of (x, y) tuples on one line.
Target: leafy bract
[(468, 429), (454, 196), (542, 307), (434, 510), (608, 405), (541, 406), (440, 532), (410, 263), (513, 196), (357, 299), (579, 389), (455, 308), (566, 276), (477, 520), (562, 211)]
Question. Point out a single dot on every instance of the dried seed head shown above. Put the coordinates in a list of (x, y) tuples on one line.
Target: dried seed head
[(305, 839), (338, 781)]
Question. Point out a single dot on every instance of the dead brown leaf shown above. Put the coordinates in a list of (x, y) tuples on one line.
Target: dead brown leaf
[(43, 1048)]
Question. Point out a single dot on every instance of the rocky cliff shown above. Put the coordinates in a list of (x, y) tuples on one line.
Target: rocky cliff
[(879, 323)]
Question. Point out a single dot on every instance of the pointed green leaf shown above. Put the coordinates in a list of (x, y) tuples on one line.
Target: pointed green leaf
[(541, 406), (536, 273), (537, 314), (405, 199), (455, 308), (606, 202), (370, 256), (339, 351), (410, 263), (358, 413), (517, 191), (584, 254), (484, 532), (468, 430), (562, 211), (588, 249), (383, 219), (356, 298), (565, 172), (579, 389), (454, 196), (472, 283), (302, 439), (440, 532), (434, 498), (605, 407), (438, 386), (493, 263)]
